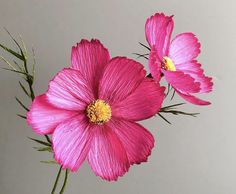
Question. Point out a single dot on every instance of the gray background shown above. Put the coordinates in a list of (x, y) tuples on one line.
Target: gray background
[(191, 156)]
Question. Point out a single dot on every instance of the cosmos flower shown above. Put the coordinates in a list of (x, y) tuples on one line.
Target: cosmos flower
[(91, 111), (176, 59)]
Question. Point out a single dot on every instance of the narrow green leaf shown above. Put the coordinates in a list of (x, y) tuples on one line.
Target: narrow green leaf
[(28, 78), (48, 162), (171, 106), (8, 63), (24, 58), (17, 55), (24, 47), (22, 105), (22, 116), (19, 67), (176, 112), (43, 149), (17, 44), (141, 55), (34, 63), (16, 71), (40, 142), (24, 89), (144, 46), (164, 118)]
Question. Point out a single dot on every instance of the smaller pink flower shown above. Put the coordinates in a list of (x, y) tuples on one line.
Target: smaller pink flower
[(91, 110), (176, 59)]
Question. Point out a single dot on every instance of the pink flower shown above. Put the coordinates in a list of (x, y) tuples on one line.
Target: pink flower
[(176, 60), (91, 111)]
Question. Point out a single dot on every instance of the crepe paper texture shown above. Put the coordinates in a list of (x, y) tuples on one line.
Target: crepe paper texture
[(91, 109), (176, 59)]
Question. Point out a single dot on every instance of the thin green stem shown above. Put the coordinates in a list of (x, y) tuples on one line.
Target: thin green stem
[(65, 182), (172, 95), (31, 91), (168, 90), (56, 181), (48, 139)]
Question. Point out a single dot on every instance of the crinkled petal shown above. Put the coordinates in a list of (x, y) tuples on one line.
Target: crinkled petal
[(184, 48), (71, 142), (121, 77), (196, 72), (69, 90), (193, 99), (182, 82), (137, 141), (206, 83), (90, 57), (44, 117), (158, 33), (143, 103), (107, 156)]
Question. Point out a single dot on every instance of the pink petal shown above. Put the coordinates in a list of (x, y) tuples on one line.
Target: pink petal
[(189, 66), (196, 72), (154, 64), (90, 58), (137, 141), (121, 77), (69, 90), (184, 48), (158, 32), (169, 31), (143, 103), (193, 99), (71, 142), (44, 117), (206, 83), (107, 156), (182, 82)]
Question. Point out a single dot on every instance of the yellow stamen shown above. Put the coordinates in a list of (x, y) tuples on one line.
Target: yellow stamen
[(168, 64), (98, 112)]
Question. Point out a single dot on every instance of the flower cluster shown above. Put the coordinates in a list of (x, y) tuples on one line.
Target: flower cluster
[(176, 59), (92, 108)]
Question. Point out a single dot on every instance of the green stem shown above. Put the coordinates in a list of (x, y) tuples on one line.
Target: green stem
[(65, 182), (56, 181), (48, 139), (31, 92)]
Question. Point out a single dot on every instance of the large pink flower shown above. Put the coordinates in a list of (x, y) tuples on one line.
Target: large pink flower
[(176, 60), (91, 111)]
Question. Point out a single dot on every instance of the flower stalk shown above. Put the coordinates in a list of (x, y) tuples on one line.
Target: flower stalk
[(56, 181), (65, 181)]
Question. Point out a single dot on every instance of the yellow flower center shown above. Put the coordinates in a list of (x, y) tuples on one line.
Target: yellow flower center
[(98, 112), (168, 64)]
